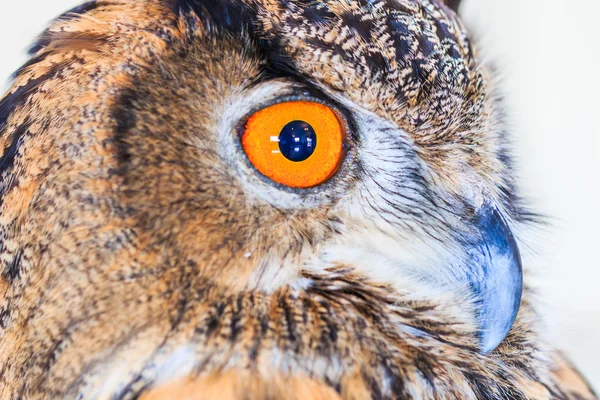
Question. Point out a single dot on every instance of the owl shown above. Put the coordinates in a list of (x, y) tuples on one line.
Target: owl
[(264, 199)]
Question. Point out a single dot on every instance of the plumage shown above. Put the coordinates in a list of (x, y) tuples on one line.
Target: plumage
[(143, 256)]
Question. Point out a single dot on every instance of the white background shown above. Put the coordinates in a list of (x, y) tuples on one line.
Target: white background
[(547, 52)]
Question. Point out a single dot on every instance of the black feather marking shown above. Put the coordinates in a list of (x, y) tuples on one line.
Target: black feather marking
[(227, 16), (4, 319), (13, 270), (13, 100), (80, 9), (235, 319), (290, 323), (316, 12), (453, 4), (215, 319), (124, 114), (7, 160), (9, 154)]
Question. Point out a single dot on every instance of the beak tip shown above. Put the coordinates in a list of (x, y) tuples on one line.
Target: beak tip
[(489, 343), (491, 338)]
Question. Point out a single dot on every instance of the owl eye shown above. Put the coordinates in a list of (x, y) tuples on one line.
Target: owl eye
[(295, 143)]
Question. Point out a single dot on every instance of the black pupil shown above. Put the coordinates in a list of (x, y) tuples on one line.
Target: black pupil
[(297, 141)]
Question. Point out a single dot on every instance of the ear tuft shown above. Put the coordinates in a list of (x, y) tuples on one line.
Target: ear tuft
[(453, 4)]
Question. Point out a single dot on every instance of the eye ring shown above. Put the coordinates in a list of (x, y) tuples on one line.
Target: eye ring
[(298, 143)]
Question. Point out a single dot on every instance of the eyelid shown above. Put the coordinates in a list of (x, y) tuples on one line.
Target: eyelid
[(306, 95)]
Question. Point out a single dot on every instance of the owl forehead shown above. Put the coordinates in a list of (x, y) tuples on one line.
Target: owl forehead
[(407, 60)]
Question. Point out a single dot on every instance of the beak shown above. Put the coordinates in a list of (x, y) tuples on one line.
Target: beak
[(495, 276)]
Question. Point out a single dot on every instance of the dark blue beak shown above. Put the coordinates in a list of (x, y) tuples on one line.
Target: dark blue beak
[(495, 276)]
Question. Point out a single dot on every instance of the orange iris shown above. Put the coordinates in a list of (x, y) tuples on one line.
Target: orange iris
[(316, 130)]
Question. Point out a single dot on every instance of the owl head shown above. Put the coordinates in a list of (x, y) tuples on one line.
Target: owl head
[(162, 147), (306, 136)]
